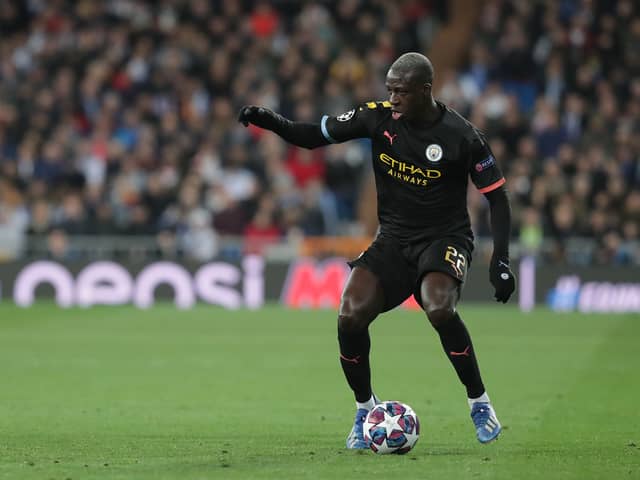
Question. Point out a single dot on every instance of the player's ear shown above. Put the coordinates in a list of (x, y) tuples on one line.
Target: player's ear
[(426, 90)]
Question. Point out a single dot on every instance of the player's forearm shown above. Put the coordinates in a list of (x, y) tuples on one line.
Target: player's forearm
[(500, 210), (306, 135)]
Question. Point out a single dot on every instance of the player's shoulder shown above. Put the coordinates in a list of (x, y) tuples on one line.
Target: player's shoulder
[(366, 111), (371, 113), (460, 125), (381, 105)]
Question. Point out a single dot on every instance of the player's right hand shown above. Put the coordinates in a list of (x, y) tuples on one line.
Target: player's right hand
[(259, 116)]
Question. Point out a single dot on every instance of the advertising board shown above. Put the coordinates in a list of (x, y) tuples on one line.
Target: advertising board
[(304, 283)]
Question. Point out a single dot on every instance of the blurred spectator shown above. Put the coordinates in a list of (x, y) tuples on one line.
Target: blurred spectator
[(232, 193), (72, 216), (58, 246), (262, 231), (199, 240), (531, 234), (40, 218), (14, 220), (305, 166)]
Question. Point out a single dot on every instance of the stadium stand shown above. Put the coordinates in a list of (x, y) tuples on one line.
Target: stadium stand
[(118, 130)]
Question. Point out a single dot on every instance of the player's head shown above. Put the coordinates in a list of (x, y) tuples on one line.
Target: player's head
[(409, 83)]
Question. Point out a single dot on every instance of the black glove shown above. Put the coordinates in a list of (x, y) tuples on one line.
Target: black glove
[(259, 116), (502, 278)]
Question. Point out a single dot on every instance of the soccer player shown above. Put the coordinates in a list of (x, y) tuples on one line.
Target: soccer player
[(423, 154)]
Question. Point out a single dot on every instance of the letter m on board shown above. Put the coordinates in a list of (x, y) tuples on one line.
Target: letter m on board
[(315, 284)]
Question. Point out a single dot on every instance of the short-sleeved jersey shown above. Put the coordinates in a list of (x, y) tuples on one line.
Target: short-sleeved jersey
[(421, 173)]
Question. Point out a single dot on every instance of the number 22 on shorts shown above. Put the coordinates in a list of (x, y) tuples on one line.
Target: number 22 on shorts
[(457, 261)]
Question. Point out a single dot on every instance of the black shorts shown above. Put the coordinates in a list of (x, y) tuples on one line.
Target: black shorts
[(401, 268)]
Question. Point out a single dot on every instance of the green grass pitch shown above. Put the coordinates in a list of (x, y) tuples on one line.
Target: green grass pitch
[(118, 393)]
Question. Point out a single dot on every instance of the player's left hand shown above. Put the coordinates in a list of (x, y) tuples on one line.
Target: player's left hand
[(502, 279)]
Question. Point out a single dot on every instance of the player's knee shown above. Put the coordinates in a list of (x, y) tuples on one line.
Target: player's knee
[(354, 317), (439, 315), (350, 324)]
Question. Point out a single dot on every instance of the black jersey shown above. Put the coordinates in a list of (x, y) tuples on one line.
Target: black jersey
[(421, 172)]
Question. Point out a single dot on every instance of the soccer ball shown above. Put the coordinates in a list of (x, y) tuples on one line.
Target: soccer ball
[(391, 427)]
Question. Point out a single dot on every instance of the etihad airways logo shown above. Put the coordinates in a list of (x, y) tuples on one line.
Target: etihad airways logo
[(408, 172)]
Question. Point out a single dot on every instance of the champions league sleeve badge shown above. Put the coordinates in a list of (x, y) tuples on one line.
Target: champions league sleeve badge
[(433, 152), (346, 116)]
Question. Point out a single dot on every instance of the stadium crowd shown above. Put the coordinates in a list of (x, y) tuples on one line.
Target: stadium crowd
[(120, 117)]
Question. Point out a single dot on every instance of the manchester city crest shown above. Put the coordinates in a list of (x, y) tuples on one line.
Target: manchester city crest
[(433, 152)]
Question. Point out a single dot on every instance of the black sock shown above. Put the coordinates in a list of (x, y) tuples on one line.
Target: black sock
[(457, 345), (354, 358)]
